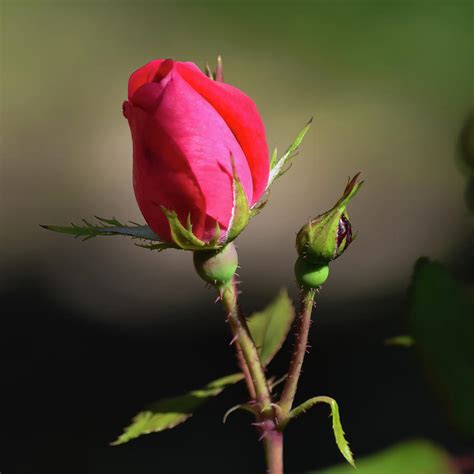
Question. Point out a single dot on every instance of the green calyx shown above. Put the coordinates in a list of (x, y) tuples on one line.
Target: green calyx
[(216, 266), (310, 275), (327, 236)]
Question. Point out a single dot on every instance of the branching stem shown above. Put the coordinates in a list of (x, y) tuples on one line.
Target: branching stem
[(256, 380)]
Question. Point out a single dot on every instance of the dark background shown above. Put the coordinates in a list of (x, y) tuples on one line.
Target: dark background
[(91, 332)]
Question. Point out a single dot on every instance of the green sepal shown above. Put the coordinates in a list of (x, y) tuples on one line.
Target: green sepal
[(183, 237), (170, 412), (243, 406), (214, 242), (106, 227), (240, 210), (274, 158), (259, 205), (317, 241), (280, 167), (159, 247), (269, 328), (341, 441)]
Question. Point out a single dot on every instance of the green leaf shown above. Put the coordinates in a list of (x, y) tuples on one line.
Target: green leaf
[(170, 412), (341, 442), (441, 316), (411, 457), (280, 167), (270, 327), (405, 341), (107, 227)]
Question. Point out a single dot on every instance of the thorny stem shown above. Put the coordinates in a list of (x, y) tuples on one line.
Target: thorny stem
[(256, 380), (245, 371), (247, 347), (304, 323)]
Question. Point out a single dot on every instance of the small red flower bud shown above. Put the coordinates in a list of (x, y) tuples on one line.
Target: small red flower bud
[(327, 236)]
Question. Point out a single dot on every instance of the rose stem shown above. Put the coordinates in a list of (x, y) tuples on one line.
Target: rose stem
[(302, 332), (274, 452), (251, 364), (238, 325)]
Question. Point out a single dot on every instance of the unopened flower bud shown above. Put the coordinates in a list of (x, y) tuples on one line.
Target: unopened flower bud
[(326, 237), (216, 266)]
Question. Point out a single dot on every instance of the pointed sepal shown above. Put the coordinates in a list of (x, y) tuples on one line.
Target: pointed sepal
[(281, 166), (105, 227), (183, 237), (241, 208)]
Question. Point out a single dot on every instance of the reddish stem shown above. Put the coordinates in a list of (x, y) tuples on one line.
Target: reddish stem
[(304, 323)]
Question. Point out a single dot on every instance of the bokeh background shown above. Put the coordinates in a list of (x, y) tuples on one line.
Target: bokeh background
[(90, 332)]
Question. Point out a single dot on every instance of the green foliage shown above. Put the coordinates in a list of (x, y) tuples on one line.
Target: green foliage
[(170, 412), (405, 341), (279, 167), (442, 323), (341, 441), (411, 457), (112, 226), (270, 327)]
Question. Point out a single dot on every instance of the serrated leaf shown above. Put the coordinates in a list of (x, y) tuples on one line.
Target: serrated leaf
[(417, 456), (281, 166), (441, 316), (270, 327), (112, 227), (341, 441), (170, 412)]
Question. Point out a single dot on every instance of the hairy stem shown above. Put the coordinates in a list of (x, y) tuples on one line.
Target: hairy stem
[(245, 345), (304, 323), (256, 380), (245, 370)]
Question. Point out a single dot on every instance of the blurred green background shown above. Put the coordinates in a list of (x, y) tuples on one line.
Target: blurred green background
[(389, 84)]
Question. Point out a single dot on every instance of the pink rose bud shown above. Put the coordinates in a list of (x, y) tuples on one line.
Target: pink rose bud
[(185, 129)]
